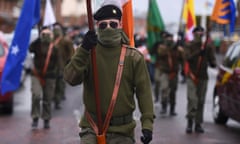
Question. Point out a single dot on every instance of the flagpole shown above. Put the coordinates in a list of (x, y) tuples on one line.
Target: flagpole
[(94, 66), (180, 20), (180, 25)]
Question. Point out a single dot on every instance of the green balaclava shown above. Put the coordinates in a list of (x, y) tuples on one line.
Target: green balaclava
[(110, 37), (57, 32), (46, 38), (198, 37), (169, 42)]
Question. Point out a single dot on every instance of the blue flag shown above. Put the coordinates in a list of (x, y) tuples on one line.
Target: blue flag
[(30, 15)]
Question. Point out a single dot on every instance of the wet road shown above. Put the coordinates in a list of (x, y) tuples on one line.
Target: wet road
[(16, 128)]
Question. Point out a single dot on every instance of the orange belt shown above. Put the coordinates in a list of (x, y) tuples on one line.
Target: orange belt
[(101, 137)]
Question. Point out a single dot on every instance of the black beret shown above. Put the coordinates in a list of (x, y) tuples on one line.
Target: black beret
[(108, 12), (166, 34), (44, 28), (198, 29), (57, 24)]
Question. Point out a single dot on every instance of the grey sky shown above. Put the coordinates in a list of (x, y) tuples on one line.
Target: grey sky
[(171, 9)]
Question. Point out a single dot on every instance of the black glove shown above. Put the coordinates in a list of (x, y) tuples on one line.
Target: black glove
[(147, 136), (182, 73), (202, 52), (213, 65), (89, 40)]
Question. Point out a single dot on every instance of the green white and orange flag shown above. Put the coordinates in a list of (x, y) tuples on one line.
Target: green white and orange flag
[(127, 19), (189, 17), (127, 15)]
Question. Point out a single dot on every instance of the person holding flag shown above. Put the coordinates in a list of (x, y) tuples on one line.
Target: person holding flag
[(122, 74), (198, 57)]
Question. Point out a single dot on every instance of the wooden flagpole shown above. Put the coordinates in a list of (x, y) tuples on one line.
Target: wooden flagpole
[(95, 74)]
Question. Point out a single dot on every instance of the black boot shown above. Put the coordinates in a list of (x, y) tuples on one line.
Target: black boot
[(46, 124), (189, 126), (198, 128), (35, 123), (58, 106), (164, 108), (172, 111)]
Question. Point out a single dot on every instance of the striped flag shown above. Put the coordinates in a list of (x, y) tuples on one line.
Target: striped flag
[(189, 18), (127, 15), (224, 12)]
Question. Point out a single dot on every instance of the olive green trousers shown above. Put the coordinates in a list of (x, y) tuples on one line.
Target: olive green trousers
[(196, 95), (42, 98)]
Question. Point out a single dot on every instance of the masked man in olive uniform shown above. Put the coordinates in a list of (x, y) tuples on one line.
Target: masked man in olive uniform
[(169, 58), (175, 61), (65, 51), (43, 76), (198, 57), (109, 42)]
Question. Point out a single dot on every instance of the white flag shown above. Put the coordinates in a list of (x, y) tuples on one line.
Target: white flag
[(49, 17)]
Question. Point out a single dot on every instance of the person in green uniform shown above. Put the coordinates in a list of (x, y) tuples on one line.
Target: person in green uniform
[(65, 51), (169, 58), (198, 58), (135, 81), (43, 77), (175, 61)]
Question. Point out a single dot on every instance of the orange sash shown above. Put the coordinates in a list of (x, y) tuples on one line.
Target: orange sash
[(40, 77)]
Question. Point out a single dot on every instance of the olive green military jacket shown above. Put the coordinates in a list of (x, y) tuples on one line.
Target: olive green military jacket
[(65, 52), (192, 55), (40, 51), (135, 82), (163, 55)]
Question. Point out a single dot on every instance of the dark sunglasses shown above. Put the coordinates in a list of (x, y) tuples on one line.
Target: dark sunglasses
[(104, 25), (45, 34)]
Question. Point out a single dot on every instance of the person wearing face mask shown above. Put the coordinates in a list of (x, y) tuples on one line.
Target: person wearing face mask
[(175, 61), (169, 58), (65, 51), (198, 58), (110, 43), (44, 72)]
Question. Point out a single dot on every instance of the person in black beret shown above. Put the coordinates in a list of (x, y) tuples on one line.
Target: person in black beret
[(198, 57), (110, 42), (198, 29)]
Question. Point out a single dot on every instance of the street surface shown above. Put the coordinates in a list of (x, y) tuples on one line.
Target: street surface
[(16, 128)]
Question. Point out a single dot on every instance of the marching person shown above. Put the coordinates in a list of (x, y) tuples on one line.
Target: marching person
[(175, 60), (198, 57), (110, 44), (65, 51), (169, 59), (43, 77)]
